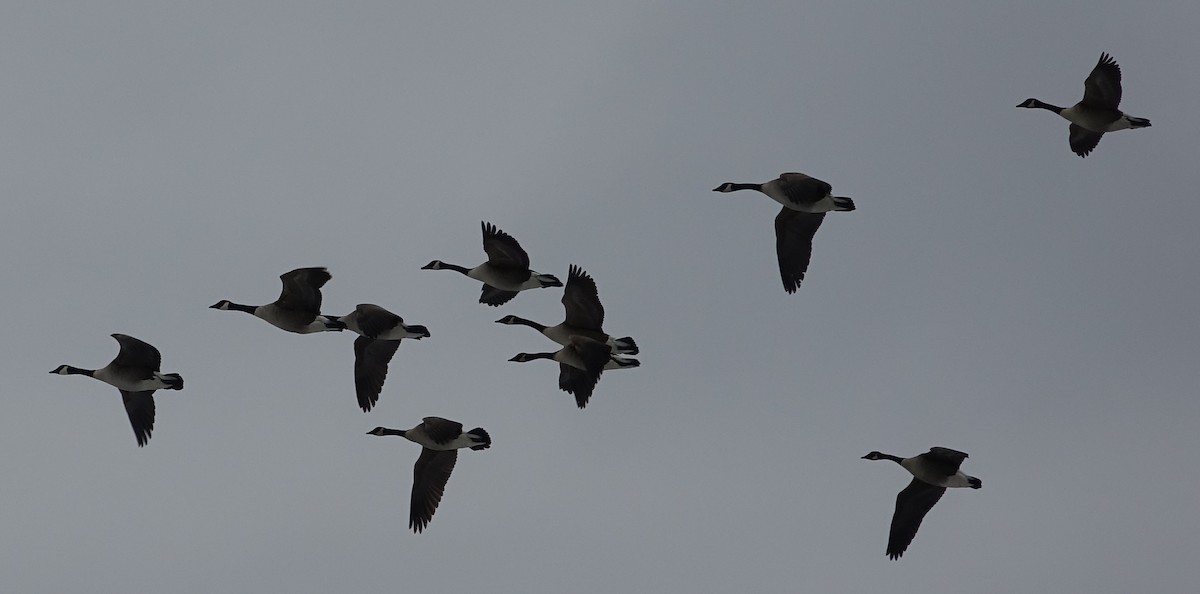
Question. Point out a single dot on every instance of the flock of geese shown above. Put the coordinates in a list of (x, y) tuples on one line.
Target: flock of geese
[(586, 349)]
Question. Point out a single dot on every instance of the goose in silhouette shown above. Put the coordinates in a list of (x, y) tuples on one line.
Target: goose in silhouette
[(805, 201), (380, 332), (1097, 113), (585, 316), (135, 372), (506, 271), (580, 363), (440, 441), (298, 308), (932, 472)]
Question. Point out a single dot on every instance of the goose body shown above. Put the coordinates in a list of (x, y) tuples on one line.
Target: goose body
[(298, 308), (379, 334), (1097, 113), (440, 439), (933, 472), (580, 364), (135, 373), (584, 316), (506, 271), (805, 201)]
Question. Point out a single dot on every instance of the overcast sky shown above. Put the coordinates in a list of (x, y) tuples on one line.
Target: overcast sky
[(993, 293)]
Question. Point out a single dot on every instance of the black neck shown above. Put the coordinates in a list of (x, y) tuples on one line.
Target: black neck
[(455, 267), (79, 371), (736, 187), (531, 356), (896, 459), (530, 323), (239, 307), (387, 431), (1047, 106)]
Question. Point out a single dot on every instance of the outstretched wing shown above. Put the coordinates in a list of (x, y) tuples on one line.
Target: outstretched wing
[(794, 231), (502, 249), (140, 408), (582, 301), (1102, 88), (430, 475), (302, 289), (911, 506)]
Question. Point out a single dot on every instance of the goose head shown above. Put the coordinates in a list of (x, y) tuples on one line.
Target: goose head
[(434, 265)]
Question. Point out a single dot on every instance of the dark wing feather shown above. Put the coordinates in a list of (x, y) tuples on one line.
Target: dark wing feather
[(502, 249), (578, 382), (803, 189), (943, 460), (495, 297), (440, 430), (582, 301), (374, 320), (1102, 88), (794, 232), (140, 407), (430, 474), (911, 506), (1083, 141), (371, 359), (302, 289), (136, 353)]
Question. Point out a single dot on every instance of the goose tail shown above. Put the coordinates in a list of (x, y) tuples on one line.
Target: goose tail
[(842, 203), (173, 381), (626, 346), (484, 441)]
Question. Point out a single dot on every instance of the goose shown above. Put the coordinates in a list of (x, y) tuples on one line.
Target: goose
[(805, 201), (298, 308), (506, 271), (585, 316), (580, 363), (1097, 113), (440, 440), (380, 332), (932, 472), (135, 372)]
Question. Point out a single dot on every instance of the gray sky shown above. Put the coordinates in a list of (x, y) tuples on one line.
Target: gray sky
[(993, 293)]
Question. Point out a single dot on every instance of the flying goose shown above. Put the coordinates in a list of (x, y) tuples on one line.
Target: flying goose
[(298, 308), (580, 363), (805, 201), (440, 441), (932, 472), (585, 315), (380, 332), (1097, 113), (135, 372), (506, 271)]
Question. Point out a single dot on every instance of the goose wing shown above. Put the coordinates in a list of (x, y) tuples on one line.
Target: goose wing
[(794, 231), (803, 189), (1102, 88), (140, 408), (136, 353), (577, 382), (430, 475), (441, 431), (1083, 141), (374, 320), (582, 301), (502, 249), (495, 297), (371, 358), (943, 460), (911, 506), (302, 289)]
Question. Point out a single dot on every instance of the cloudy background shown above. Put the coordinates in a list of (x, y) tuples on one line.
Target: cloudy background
[(993, 293)]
